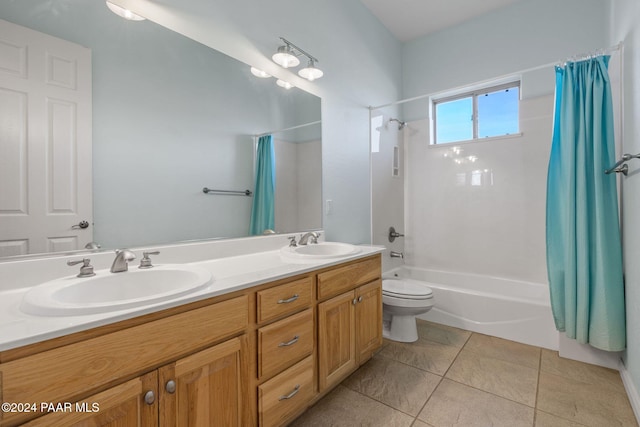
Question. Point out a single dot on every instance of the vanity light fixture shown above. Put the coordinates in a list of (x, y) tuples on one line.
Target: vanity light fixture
[(259, 73), (284, 84), (310, 72), (124, 13), (287, 56)]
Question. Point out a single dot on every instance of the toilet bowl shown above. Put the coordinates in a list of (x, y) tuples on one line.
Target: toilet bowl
[(402, 301)]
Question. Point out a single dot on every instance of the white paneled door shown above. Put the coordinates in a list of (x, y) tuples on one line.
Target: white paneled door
[(45, 143)]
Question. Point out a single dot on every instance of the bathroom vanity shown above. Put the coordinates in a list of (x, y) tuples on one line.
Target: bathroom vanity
[(255, 355)]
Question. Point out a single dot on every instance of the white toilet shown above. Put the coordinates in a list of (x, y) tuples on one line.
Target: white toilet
[(402, 301)]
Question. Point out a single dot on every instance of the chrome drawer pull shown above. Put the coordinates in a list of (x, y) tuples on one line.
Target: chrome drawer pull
[(290, 395), (287, 344), (287, 301)]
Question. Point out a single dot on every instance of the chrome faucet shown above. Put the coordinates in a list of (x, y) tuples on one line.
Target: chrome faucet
[(310, 237), (123, 256), (395, 254)]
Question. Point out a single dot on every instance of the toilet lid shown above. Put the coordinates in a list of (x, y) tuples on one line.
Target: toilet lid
[(402, 289)]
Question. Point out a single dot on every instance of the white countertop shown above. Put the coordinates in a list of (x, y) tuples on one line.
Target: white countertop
[(229, 274)]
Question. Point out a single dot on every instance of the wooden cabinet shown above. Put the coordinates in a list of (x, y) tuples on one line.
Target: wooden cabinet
[(204, 389), (286, 394), (122, 405), (349, 327), (368, 320)]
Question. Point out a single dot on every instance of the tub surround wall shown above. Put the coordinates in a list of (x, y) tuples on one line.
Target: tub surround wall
[(625, 26), (388, 192), (484, 217)]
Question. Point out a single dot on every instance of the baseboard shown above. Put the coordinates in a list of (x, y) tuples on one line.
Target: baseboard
[(632, 391)]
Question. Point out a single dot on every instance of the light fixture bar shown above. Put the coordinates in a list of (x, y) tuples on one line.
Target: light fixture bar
[(300, 51)]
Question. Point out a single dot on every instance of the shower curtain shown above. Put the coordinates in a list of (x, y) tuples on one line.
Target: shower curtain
[(263, 210), (584, 253)]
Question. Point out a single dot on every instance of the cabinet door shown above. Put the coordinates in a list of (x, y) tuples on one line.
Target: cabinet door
[(368, 320), (204, 389), (336, 339), (122, 405)]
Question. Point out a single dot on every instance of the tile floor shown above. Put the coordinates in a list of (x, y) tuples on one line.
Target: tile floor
[(452, 377)]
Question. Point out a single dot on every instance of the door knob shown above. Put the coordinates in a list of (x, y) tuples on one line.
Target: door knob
[(80, 225)]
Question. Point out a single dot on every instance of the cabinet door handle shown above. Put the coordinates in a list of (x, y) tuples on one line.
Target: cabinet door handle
[(360, 298), (290, 395), (355, 301), (149, 397), (170, 387), (288, 300), (288, 343)]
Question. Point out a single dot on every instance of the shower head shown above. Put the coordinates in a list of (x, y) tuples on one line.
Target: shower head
[(401, 124)]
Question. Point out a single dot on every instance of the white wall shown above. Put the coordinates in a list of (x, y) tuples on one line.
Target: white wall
[(625, 26), (362, 64)]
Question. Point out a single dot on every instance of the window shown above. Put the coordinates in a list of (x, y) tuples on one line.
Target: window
[(491, 111)]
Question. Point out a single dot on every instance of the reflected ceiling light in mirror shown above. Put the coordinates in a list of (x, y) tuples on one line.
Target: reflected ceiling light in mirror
[(287, 56), (259, 73), (124, 13), (284, 84)]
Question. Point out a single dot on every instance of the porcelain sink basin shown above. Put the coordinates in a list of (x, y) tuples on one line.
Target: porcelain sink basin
[(106, 291), (318, 251)]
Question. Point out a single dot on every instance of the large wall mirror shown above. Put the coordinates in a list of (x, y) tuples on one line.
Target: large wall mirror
[(159, 118)]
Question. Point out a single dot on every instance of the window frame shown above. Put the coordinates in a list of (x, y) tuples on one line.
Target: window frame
[(473, 94)]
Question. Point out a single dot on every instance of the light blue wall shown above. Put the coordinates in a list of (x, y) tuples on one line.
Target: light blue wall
[(527, 34), (625, 26)]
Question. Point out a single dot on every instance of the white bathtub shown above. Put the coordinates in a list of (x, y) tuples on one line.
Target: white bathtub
[(510, 309)]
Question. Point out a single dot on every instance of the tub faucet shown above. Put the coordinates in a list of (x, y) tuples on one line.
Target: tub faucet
[(123, 256), (395, 254), (310, 237)]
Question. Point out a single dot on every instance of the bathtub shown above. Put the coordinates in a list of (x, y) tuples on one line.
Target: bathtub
[(510, 309)]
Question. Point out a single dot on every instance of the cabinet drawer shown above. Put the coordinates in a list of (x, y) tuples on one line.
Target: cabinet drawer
[(75, 370), (284, 342), (284, 299), (286, 394), (341, 279)]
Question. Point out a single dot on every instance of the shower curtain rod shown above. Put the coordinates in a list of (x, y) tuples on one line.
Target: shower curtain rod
[(504, 76), (291, 128)]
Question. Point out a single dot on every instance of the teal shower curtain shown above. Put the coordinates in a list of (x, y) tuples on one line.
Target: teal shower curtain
[(263, 210), (584, 253)]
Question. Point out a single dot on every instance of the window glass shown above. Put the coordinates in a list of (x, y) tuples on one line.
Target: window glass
[(454, 120), (498, 113)]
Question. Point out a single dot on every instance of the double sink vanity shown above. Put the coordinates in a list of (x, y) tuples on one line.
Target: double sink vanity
[(249, 339)]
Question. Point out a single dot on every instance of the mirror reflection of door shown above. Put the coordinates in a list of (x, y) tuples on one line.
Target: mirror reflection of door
[(45, 143)]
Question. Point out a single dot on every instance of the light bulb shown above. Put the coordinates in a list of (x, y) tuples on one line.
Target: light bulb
[(124, 13)]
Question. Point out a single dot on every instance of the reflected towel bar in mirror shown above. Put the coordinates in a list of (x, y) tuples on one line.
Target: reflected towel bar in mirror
[(206, 190)]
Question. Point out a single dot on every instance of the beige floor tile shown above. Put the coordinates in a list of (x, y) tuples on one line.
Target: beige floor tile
[(454, 404), (398, 385), (442, 334), (509, 351), (418, 423), (579, 371), (547, 420), (585, 403), (505, 379), (422, 354), (346, 408)]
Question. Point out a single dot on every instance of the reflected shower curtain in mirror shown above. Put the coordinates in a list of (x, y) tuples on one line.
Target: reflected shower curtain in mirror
[(263, 210), (584, 253)]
